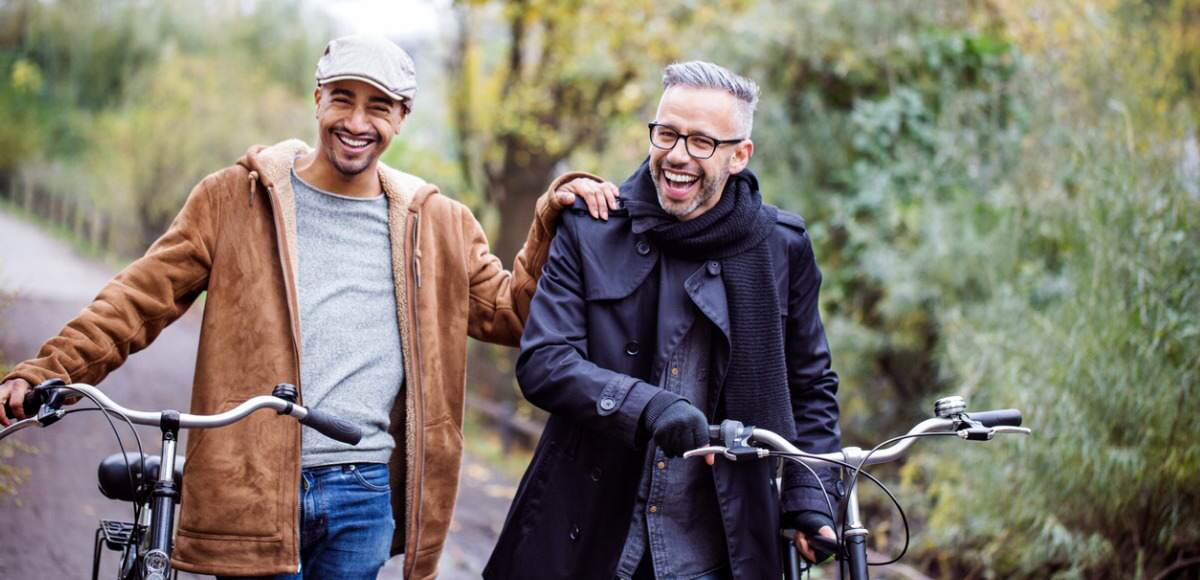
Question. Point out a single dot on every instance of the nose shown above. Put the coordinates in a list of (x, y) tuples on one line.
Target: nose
[(678, 154), (357, 123)]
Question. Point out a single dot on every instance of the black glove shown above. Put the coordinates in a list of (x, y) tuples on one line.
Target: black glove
[(810, 522), (674, 424)]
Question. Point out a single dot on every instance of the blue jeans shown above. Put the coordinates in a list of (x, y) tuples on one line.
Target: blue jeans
[(345, 522)]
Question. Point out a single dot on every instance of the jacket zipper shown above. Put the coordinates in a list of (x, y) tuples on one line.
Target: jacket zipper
[(417, 462), (289, 287)]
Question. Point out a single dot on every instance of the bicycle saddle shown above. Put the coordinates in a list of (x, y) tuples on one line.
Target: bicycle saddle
[(113, 475)]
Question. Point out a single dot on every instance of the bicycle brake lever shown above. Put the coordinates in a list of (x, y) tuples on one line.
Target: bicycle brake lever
[(54, 399), (701, 451), (821, 546), (1013, 430)]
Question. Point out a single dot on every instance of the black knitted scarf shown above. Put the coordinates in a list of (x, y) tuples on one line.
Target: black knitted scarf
[(734, 232)]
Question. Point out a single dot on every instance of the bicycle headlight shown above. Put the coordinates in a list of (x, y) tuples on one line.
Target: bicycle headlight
[(156, 563)]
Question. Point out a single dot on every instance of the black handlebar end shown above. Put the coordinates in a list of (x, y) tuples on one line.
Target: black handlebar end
[(1007, 417), (333, 427)]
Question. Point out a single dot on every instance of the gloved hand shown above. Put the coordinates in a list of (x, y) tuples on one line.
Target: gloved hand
[(674, 424), (814, 534)]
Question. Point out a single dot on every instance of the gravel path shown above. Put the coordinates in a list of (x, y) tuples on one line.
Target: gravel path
[(46, 530)]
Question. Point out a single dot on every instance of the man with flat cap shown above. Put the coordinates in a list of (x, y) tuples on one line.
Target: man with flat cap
[(356, 282)]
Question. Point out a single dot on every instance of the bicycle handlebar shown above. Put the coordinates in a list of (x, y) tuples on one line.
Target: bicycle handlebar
[(326, 424), (736, 439)]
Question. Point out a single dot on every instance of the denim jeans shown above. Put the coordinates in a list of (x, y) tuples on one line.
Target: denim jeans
[(345, 522)]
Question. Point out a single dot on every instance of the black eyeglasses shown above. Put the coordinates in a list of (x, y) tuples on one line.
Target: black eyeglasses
[(698, 146)]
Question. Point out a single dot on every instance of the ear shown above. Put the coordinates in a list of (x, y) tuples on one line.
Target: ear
[(317, 98), (742, 152)]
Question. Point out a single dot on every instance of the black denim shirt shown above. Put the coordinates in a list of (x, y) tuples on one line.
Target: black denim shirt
[(676, 515)]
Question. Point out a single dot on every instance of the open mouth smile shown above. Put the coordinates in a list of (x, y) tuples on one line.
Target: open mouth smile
[(354, 144), (678, 185)]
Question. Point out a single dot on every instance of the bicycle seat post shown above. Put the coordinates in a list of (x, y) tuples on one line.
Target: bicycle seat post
[(157, 561)]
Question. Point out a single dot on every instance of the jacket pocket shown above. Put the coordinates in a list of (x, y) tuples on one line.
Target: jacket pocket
[(232, 479), (443, 458)]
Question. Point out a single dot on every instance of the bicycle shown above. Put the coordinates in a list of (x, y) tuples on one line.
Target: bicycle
[(850, 547), (152, 483)]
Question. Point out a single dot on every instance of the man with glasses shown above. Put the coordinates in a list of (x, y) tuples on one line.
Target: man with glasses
[(693, 302)]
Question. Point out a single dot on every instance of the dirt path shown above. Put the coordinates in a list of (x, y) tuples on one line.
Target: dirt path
[(46, 530)]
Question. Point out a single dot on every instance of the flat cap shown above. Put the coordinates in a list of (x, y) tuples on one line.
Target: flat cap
[(371, 59)]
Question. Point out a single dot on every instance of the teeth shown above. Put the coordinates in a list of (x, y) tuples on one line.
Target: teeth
[(679, 177), (353, 142)]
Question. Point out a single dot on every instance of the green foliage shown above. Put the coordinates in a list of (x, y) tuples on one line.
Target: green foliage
[(1102, 353), (123, 106), (997, 213)]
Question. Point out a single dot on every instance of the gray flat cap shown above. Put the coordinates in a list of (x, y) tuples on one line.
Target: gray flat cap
[(371, 59)]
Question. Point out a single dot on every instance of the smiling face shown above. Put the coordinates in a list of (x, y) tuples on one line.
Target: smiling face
[(687, 186), (356, 122)]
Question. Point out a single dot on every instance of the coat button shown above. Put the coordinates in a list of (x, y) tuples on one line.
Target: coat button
[(632, 348), (596, 473), (574, 532), (643, 248), (607, 404), (714, 268)]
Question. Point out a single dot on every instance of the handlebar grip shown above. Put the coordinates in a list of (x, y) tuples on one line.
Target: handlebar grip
[(31, 404), (714, 432), (333, 427), (1009, 417), (33, 401)]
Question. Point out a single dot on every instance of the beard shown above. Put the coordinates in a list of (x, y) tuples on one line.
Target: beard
[(709, 186), (351, 168), (357, 165)]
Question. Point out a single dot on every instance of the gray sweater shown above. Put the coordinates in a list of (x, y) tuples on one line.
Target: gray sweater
[(351, 362)]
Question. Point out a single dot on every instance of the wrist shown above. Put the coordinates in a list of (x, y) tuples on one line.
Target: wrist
[(657, 406)]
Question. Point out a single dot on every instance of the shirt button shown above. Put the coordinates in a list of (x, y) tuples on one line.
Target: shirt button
[(607, 404), (714, 268), (662, 464), (632, 348), (642, 248), (653, 509), (574, 532), (674, 371)]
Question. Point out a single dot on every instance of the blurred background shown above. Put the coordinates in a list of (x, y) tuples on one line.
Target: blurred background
[(1003, 195)]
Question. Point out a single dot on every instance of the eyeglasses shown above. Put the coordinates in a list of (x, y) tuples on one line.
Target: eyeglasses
[(696, 145)]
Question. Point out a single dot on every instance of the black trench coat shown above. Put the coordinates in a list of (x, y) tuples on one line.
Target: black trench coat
[(586, 356)]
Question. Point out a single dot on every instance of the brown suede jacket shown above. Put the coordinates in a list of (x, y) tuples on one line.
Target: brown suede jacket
[(236, 240)]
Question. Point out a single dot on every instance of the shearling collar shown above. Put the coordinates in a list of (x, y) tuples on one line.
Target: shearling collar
[(272, 167)]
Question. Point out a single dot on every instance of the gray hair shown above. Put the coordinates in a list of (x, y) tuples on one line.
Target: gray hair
[(706, 75)]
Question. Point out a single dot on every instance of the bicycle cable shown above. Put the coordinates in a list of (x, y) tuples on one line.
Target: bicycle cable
[(137, 511), (798, 458), (855, 470)]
